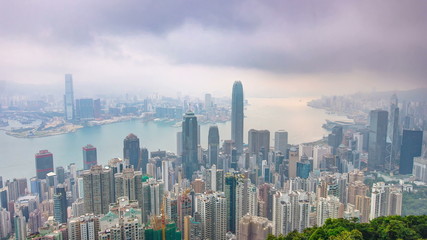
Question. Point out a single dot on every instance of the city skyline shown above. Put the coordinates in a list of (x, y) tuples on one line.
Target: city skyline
[(225, 120)]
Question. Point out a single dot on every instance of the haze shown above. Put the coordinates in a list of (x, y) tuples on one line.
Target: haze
[(277, 48)]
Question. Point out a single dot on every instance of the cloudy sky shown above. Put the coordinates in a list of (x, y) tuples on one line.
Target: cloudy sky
[(276, 48)]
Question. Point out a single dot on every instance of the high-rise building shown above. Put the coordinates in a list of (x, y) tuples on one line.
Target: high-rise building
[(213, 146), (386, 200), (69, 98), (281, 141), (293, 159), (60, 204), (335, 138), (5, 223), (144, 159), (152, 196), (179, 143), (393, 129), (246, 200), (254, 228), (84, 109), (20, 226), (129, 184), (412, 142), (377, 140), (97, 189), (44, 163), (214, 179), (190, 161), (259, 142), (123, 221), (230, 194), (237, 116), (60, 174), (131, 151), (303, 169), (420, 169), (85, 227), (212, 208), (89, 156)]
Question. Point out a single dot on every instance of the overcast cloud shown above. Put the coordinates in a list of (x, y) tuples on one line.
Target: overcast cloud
[(277, 48)]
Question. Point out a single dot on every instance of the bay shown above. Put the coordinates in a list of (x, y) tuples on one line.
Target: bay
[(303, 123)]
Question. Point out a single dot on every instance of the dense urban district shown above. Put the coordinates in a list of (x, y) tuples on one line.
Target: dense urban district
[(365, 180)]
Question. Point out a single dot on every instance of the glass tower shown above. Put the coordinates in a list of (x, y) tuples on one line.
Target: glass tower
[(237, 116)]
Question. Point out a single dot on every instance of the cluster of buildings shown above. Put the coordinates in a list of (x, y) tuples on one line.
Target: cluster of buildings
[(231, 190)]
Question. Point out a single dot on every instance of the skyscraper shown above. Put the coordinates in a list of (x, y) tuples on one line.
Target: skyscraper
[(69, 98), (44, 163), (377, 139), (128, 183), (189, 144), (89, 156), (335, 138), (84, 110), (259, 142), (393, 128), (97, 188), (237, 115), (213, 146), (412, 142), (131, 151), (281, 141), (60, 204), (212, 208)]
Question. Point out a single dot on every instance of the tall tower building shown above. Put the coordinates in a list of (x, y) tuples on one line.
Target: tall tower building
[(213, 146), (44, 163), (131, 151), (69, 98), (60, 204), (412, 143), (377, 139), (237, 116), (97, 189), (393, 128), (281, 141), (189, 144), (89, 156)]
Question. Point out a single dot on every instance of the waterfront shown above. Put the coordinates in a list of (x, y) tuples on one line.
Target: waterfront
[(303, 123)]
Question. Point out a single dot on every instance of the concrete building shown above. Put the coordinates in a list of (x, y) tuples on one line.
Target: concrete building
[(254, 228)]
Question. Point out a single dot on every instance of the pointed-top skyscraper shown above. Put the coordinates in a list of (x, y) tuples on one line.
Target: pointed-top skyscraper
[(237, 116)]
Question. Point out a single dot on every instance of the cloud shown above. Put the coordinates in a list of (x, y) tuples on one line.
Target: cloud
[(303, 43)]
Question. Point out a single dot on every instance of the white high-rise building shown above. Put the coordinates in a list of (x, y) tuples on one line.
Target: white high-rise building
[(329, 207), (69, 98), (318, 153), (5, 223), (281, 141), (165, 173), (290, 212), (85, 227), (385, 200), (246, 200), (212, 209)]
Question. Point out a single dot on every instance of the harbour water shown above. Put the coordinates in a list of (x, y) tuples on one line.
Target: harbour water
[(303, 123)]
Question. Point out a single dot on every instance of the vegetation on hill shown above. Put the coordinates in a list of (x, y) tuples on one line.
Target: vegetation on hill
[(383, 228), (415, 203)]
